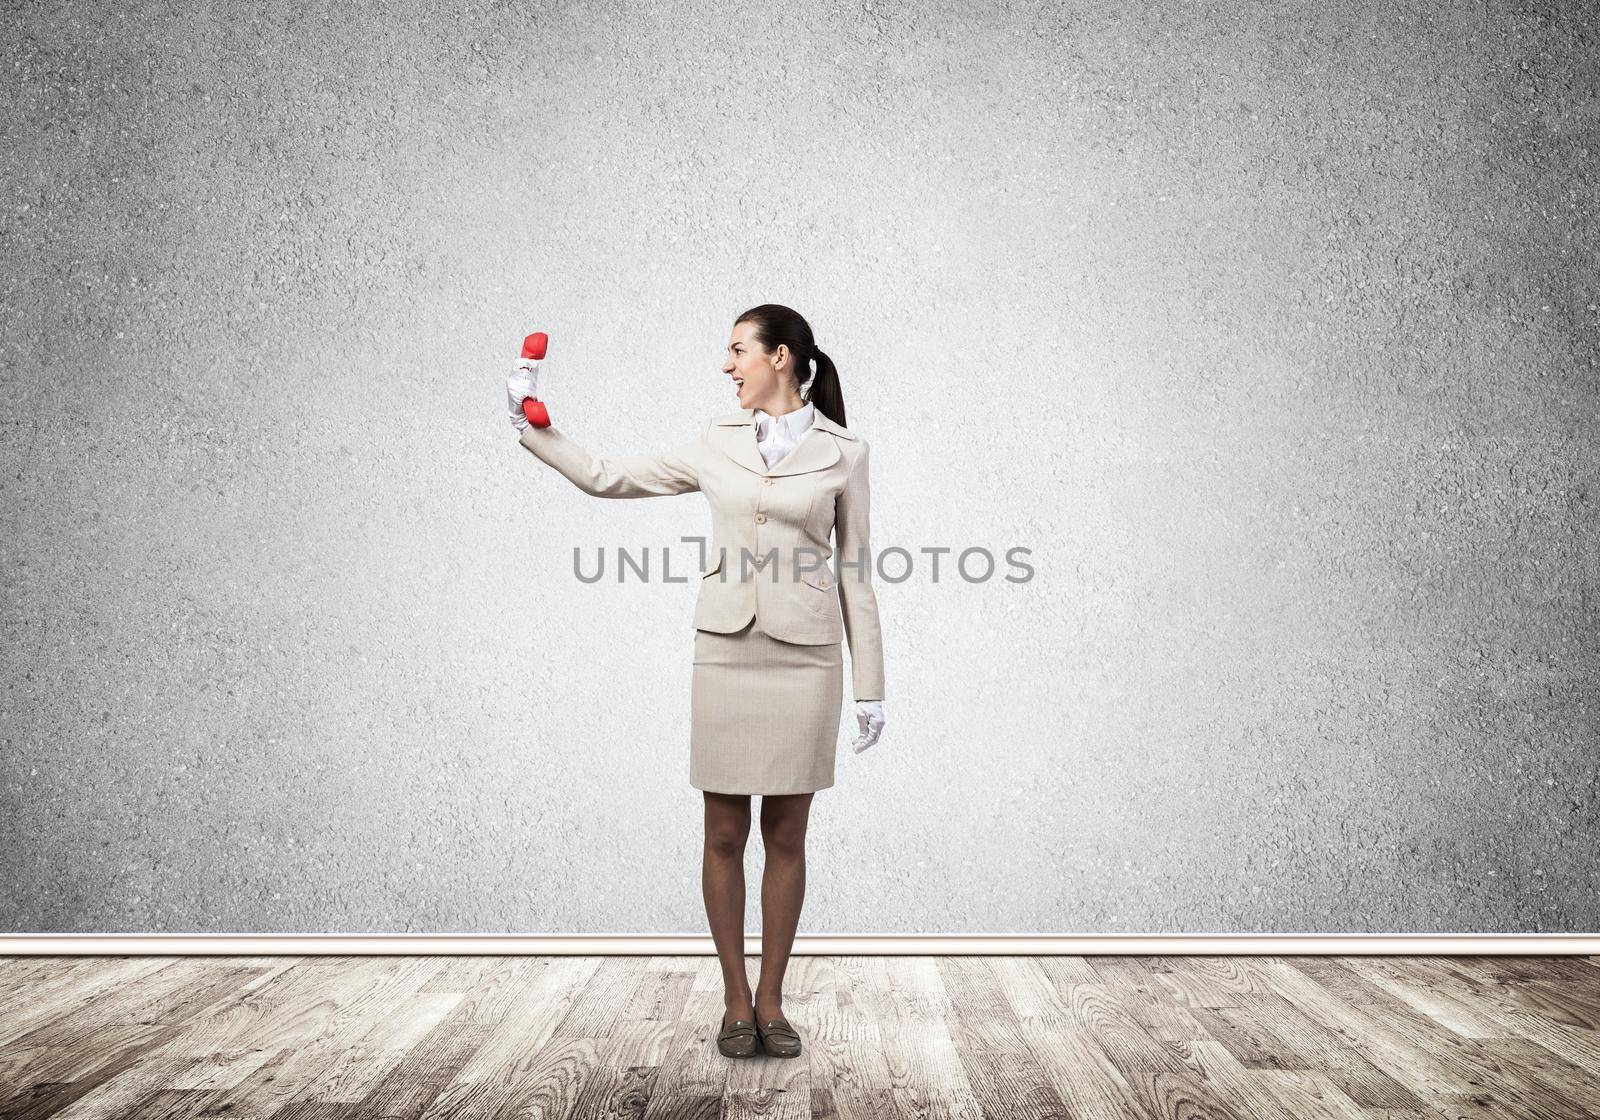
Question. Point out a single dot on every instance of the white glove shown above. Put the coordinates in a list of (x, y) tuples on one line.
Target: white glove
[(869, 717), (524, 382)]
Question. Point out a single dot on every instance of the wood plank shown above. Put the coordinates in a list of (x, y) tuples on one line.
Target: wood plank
[(1085, 1078), (1310, 1093), (110, 1050), (1244, 1088), (422, 1073), (923, 1071), (303, 1020), (1343, 1012), (1478, 1063), (1572, 1044), (510, 1064), (366, 1058), (85, 980), (692, 1080), (1096, 1009), (1005, 1077), (1426, 992)]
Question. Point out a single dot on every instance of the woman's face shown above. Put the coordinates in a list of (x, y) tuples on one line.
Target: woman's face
[(759, 380)]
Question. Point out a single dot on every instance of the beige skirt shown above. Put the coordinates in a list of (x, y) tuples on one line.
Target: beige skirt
[(763, 714)]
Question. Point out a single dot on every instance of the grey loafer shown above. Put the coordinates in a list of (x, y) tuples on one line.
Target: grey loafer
[(779, 1038), (738, 1039)]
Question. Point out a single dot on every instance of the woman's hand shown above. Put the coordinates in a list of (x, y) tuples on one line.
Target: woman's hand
[(869, 718), (524, 382)]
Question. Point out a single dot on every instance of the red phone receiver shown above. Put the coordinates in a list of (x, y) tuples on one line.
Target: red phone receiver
[(534, 347)]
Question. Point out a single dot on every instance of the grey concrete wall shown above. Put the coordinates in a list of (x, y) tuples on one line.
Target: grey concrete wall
[(1270, 329)]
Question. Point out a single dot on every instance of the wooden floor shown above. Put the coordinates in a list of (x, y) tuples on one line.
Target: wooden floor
[(1280, 1038)]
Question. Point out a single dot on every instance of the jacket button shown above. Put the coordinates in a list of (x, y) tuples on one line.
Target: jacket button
[(761, 518), (766, 482)]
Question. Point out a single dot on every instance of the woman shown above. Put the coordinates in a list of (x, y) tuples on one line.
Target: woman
[(782, 474)]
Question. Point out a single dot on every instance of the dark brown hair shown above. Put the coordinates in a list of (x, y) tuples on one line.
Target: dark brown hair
[(777, 325)]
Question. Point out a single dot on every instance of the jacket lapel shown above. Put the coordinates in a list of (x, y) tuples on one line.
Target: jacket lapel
[(735, 435), (820, 421), (815, 450)]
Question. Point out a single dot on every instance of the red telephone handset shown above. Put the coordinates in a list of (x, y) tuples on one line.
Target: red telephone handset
[(534, 347)]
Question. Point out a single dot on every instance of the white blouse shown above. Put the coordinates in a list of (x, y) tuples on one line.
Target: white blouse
[(776, 436)]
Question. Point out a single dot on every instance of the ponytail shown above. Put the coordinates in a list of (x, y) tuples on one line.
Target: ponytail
[(825, 392)]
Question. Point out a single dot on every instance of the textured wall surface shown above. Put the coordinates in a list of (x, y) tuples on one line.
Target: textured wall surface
[(1270, 329)]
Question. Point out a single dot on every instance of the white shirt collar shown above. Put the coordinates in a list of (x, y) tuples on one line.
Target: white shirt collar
[(791, 422)]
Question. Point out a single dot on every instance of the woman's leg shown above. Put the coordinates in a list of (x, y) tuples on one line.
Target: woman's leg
[(722, 883), (783, 890)]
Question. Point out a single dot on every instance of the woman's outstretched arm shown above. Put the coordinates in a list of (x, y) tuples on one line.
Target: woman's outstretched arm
[(675, 471), (646, 475)]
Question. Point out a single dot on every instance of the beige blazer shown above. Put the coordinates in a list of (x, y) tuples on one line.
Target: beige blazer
[(770, 557)]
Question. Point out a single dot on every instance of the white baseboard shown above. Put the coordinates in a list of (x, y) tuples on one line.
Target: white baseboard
[(930, 945)]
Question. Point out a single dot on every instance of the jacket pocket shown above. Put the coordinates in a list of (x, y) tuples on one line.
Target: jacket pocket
[(716, 566), (818, 591)]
